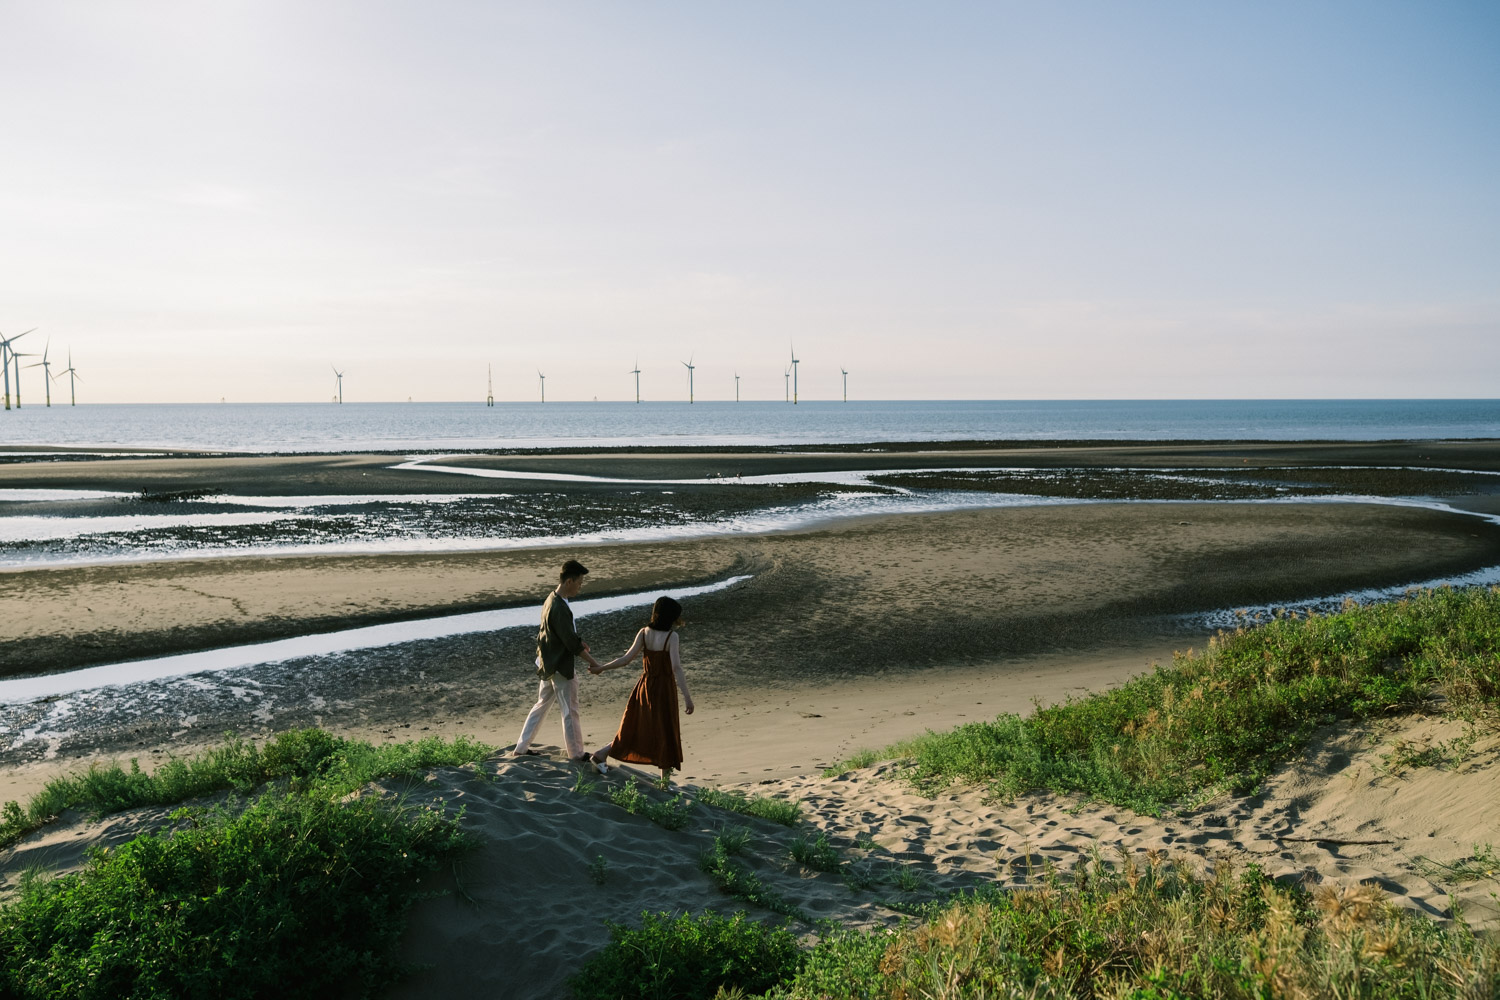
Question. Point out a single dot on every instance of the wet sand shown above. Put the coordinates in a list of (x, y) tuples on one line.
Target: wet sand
[(275, 475), (1000, 581), (863, 603)]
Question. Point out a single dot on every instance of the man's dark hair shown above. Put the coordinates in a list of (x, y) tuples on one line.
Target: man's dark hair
[(572, 570)]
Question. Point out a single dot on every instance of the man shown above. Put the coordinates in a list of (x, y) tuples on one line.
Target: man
[(557, 644)]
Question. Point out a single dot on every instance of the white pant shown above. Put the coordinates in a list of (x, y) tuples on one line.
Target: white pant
[(565, 691)]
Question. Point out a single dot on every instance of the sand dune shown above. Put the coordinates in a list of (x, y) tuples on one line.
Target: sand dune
[(1337, 814), (522, 912)]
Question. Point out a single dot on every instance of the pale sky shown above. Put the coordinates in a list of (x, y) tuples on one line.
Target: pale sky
[(952, 200)]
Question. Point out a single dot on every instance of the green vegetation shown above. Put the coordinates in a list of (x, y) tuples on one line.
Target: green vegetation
[(776, 810), (734, 878), (1142, 931), (1406, 754), (1220, 721), (1157, 931), (734, 839), (1483, 863), (1210, 723), (688, 957), (300, 893), (861, 875), (816, 853), (862, 758), (308, 758), (599, 870), (673, 813), (670, 815)]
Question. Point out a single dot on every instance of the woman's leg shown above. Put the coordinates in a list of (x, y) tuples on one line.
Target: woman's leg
[(602, 754)]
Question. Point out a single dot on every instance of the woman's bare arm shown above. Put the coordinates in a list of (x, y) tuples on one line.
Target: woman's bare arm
[(627, 656)]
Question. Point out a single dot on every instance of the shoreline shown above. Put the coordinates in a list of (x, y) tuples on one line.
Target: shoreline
[(364, 471), (880, 601), (166, 606)]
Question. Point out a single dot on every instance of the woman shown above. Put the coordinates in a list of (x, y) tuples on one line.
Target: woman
[(649, 732)]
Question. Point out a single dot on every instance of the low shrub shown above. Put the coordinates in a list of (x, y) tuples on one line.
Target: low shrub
[(295, 896), (688, 957)]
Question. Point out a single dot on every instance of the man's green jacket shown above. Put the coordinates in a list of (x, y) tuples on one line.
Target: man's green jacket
[(558, 641)]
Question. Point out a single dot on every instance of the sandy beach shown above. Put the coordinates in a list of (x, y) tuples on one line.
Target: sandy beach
[(883, 597), (847, 635)]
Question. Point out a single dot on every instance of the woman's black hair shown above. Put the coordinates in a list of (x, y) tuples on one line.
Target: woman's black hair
[(666, 614)]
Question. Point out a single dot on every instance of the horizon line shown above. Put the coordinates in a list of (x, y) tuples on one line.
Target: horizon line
[(480, 401)]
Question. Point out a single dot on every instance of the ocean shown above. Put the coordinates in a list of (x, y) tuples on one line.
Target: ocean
[(320, 427)]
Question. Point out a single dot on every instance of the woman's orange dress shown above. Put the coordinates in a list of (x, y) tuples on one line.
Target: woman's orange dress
[(649, 731)]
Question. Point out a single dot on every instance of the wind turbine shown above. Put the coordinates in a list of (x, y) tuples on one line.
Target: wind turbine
[(846, 384), (340, 376), (636, 371), (489, 383), (736, 387), (688, 364), (72, 374), (46, 367), (794, 376), (788, 376), (5, 352), (544, 384), (15, 360)]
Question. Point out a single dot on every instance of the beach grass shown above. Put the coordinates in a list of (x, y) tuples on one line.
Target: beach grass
[(735, 878), (671, 814), (1220, 720), (299, 891), (781, 811), (306, 758), (815, 853), (1141, 928), (1152, 930)]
